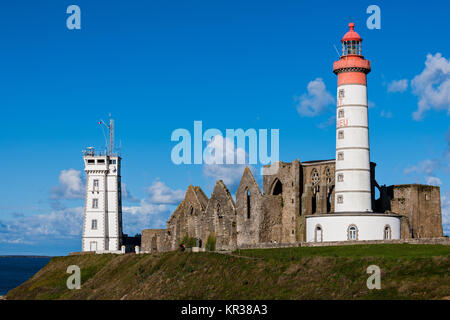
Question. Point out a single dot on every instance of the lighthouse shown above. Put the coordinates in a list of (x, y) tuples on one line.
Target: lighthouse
[(102, 226), (353, 187)]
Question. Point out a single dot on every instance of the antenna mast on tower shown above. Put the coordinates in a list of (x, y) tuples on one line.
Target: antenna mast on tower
[(110, 128), (111, 135)]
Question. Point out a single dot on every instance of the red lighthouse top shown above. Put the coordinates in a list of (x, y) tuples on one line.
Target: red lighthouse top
[(351, 67), (351, 34)]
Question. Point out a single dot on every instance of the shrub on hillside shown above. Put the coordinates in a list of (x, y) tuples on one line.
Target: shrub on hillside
[(211, 242), (189, 242)]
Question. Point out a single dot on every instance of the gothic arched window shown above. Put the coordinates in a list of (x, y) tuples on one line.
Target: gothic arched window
[(315, 180), (328, 175), (315, 177), (248, 204), (278, 188)]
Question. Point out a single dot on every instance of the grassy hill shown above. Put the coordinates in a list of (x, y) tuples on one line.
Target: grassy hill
[(407, 272)]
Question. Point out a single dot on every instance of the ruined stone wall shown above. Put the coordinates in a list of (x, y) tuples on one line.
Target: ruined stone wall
[(292, 192), (220, 218), (318, 179), (154, 240), (421, 204), (317, 190), (187, 218), (285, 183), (271, 229), (249, 213)]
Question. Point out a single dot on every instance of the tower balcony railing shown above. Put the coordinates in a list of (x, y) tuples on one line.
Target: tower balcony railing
[(348, 62), (91, 152)]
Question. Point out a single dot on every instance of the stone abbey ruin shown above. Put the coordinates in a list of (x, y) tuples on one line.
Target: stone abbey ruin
[(277, 214)]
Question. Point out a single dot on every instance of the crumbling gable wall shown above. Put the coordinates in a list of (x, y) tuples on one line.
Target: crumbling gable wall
[(249, 215), (220, 218), (187, 217)]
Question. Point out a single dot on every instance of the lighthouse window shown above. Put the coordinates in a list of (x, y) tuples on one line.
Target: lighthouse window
[(340, 177), (341, 134), (96, 183), (94, 203), (341, 93), (352, 233), (94, 224), (91, 161), (340, 199), (112, 161), (341, 113), (340, 156), (101, 161)]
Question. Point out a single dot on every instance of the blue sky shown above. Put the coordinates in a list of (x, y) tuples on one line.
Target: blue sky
[(161, 65)]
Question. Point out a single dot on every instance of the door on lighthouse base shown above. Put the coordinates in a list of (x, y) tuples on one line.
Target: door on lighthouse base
[(93, 245), (318, 234)]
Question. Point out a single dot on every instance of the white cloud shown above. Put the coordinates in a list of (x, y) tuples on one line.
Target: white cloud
[(215, 165), (58, 224), (425, 167), (66, 223), (146, 215), (386, 114), (435, 181), (161, 194), (447, 150), (327, 123), (445, 206), (152, 212), (126, 194), (432, 86), (428, 169), (70, 185), (315, 101), (398, 85)]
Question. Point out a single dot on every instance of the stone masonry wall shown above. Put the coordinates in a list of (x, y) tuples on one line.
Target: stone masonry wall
[(249, 214), (220, 218), (421, 204), (277, 216)]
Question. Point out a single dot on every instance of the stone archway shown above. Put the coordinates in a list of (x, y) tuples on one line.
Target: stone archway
[(277, 187)]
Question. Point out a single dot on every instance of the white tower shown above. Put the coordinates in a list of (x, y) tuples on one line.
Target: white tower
[(102, 227), (353, 187)]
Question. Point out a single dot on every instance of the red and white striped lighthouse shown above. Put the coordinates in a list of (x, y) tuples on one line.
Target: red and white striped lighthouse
[(352, 186)]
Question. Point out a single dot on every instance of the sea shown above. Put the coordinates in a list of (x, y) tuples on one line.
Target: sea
[(15, 270)]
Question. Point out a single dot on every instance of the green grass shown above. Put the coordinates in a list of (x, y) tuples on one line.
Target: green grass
[(407, 272), (393, 251)]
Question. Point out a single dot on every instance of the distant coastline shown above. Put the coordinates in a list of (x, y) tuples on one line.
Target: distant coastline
[(24, 256)]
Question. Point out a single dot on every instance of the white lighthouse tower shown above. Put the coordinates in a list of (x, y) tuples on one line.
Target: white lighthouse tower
[(353, 188), (102, 227)]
